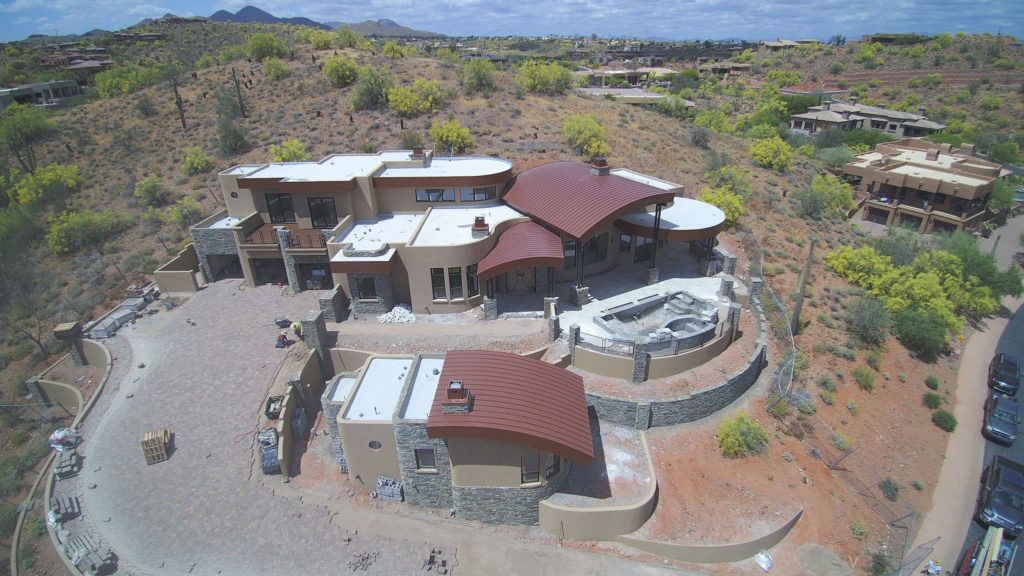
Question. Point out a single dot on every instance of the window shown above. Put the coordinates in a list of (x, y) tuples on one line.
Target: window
[(477, 194), (366, 288), (455, 282), (280, 208), (569, 249), (596, 250), (374, 445), (437, 283), (435, 194), (643, 249), (425, 459), (553, 466), (471, 282), (625, 243), (322, 212), (530, 468)]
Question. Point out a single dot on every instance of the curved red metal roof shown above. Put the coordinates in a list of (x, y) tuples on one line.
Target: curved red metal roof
[(524, 244), (569, 197), (515, 399)]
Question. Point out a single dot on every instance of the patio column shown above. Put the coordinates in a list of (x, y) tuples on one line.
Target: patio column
[(657, 228), (579, 263)]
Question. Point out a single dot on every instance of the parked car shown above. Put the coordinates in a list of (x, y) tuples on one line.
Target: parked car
[(1001, 498), (1000, 419), (1004, 373)]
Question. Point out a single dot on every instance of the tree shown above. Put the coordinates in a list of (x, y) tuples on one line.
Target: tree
[(738, 180), (21, 128), (393, 50), (72, 231), (423, 97), (586, 135), (837, 157), (921, 331), (264, 45), (371, 92), (477, 75), (827, 197), (289, 151), (349, 38), (126, 79), (231, 138), (741, 436), (151, 191), (184, 212), (450, 136), (275, 69), (340, 71), (772, 153), (195, 161), (51, 183), (716, 120), (726, 200), (543, 78), (320, 39), (1005, 153)]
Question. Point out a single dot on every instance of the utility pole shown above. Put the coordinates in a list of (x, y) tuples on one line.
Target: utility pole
[(795, 322)]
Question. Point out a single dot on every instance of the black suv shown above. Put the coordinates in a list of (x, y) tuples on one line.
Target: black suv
[(1004, 374), (1000, 419), (1001, 499)]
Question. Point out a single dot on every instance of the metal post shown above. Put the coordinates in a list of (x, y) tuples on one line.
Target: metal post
[(657, 228), (579, 264)]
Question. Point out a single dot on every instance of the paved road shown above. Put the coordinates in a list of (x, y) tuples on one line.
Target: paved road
[(202, 370)]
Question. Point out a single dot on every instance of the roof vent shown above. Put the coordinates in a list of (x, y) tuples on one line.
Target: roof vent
[(599, 166), (457, 399)]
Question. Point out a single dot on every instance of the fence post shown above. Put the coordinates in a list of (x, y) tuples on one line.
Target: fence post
[(641, 360), (574, 338)]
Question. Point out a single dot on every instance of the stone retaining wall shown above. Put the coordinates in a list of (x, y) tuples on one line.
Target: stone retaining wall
[(333, 305), (213, 241), (512, 505)]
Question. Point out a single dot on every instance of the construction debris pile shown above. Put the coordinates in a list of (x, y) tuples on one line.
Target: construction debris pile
[(400, 314)]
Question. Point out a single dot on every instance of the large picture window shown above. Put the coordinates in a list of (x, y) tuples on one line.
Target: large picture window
[(478, 194), (455, 282), (437, 283), (471, 281), (322, 212), (435, 195), (530, 469), (596, 250), (280, 208)]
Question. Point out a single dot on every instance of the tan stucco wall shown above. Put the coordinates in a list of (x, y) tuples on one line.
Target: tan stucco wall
[(348, 360), (312, 377), (95, 353), (178, 276), (237, 207), (403, 199), (604, 364), (364, 464), (66, 395), (662, 366), (602, 522), (489, 463), (713, 554), (300, 204), (284, 431)]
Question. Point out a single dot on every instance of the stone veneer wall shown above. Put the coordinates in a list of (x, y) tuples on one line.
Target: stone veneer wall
[(333, 305), (213, 241), (512, 505), (385, 298), (431, 490), (331, 410), (642, 415)]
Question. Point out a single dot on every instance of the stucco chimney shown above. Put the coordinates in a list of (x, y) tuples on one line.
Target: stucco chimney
[(457, 399), (921, 111), (828, 105)]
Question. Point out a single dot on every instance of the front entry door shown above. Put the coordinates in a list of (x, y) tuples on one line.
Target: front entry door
[(520, 281)]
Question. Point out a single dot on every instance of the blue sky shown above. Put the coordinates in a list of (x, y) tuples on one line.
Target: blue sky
[(672, 19)]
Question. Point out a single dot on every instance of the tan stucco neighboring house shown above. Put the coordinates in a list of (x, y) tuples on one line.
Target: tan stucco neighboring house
[(896, 122)]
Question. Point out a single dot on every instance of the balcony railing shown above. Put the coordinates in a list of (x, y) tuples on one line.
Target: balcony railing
[(313, 239), (262, 235), (881, 199)]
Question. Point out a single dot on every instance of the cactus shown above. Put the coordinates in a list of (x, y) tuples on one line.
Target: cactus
[(178, 102), (238, 92)]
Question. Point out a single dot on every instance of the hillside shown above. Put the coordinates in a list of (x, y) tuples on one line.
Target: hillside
[(118, 141), (254, 14)]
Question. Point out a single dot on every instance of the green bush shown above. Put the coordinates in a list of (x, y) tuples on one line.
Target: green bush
[(828, 196), (125, 80), (852, 407), (265, 45), (860, 530), (725, 200), (349, 38), (932, 381), (864, 377), (145, 106), (778, 407), (741, 436), (477, 75), (423, 97), (19, 436), (340, 71), (875, 359), (185, 212), (8, 520), (450, 136), (290, 150), (840, 441), (320, 39), (772, 153), (543, 78), (393, 50), (923, 332), (827, 383), (372, 90), (195, 161), (867, 320), (72, 231), (837, 157), (944, 420), (932, 400), (231, 138), (881, 565), (411, 139), (731, 175), (275, 69), (586, 135), (151, 191), (829, 398), (890, 489), (205, 61)]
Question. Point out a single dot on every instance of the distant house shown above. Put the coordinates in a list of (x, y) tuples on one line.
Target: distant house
[(724, 69), (816, 89), (823, 117), (780, 44), (485, 434), (923, 185), (898, 123), (496, 59), (43, 93)]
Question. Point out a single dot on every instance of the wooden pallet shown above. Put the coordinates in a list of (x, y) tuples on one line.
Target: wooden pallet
[(154, 445)]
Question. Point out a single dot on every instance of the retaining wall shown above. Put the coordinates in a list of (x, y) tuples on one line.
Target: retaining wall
[(178, 275)]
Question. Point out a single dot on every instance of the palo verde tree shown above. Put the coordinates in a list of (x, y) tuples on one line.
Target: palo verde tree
[(451, 136), (586, 135), (289, 151), (50, 184), (21, 128), (264, 45)]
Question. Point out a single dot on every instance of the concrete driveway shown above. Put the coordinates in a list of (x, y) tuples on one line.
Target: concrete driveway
[(202, 370)]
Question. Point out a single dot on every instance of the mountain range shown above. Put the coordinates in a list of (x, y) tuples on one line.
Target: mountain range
[(383, 27)]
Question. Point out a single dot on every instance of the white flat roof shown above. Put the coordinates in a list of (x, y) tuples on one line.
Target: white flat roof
[(423, 388), (452, 166), (336, 167), (683, 214), (385, 229), (379, 388), (226, 222), (920, 172), (242, 169), (453, 225), (343, 389), (645, 179)]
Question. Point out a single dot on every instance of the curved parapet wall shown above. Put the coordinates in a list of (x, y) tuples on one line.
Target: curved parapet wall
[(711, 554), (601, 522)]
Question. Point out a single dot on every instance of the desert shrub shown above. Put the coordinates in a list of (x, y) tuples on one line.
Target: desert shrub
[(151, 191), (890, 489), (125, 79), (320, 39), (881, 565), (231, 53), (72, 231), (185, 212), (944, 420), (991, 103), (836, 68), (860, 530), (828, 196), (829, 398), (19, 436), (265, 45), (275, 69), (392, 50), (864, 378), (290, 150), (835, 157), (195, 161), (827, 383), (52, 183), (701, 137), (231, 138), (932, 381), (875, 359), (372, 89), (727, 201), (477, 75), (716, 120), (423, 97), (777, 406), (737, 179), (917, 485), (205, 61), (840, 441), (741, 436), (923, 332), (8, 520), (932, 400), (852, 407), (340, 71), (867, 320), (451, 136), (145, 106), (411, 139), (772, 153), (543, 78), (346, 37), (866, 137), (586, 135), (835, 350)]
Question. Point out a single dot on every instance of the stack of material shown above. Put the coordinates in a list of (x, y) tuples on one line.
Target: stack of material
[(399, 315), (267, 439), (154, 445), (388, 489)]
